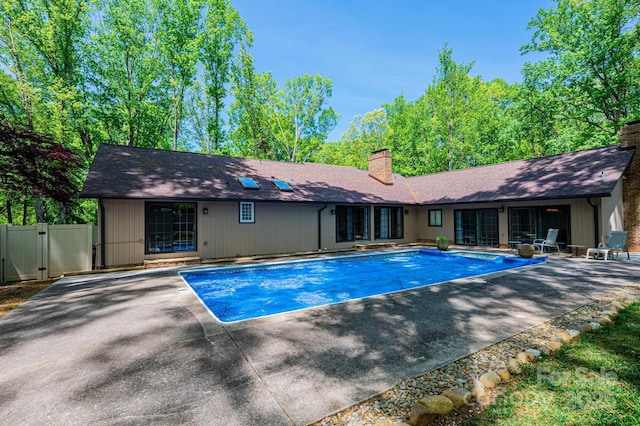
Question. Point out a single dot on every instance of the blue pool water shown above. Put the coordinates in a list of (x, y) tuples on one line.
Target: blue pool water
[(240, 293)]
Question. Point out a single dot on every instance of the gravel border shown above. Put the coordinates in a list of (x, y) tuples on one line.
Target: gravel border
[(393, 405)]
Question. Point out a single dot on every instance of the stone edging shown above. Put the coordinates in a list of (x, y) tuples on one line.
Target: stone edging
[(385, 409)]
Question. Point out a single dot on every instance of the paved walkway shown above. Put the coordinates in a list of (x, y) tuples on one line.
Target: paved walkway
[(138, 348)]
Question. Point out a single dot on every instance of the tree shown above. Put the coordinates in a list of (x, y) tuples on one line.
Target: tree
[(366, 133), (34, 163), (178, 42), (452, 102), (412, 141), (300, 122), (249, 121), (41, 48), (223, 31), (132, 106), (591, 66)]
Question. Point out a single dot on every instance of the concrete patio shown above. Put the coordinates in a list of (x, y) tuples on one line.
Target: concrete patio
[(138, 347)]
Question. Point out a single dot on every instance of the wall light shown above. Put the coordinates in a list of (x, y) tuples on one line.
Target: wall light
[(333, 212), (406, 212), (205, 211), (501, 209)]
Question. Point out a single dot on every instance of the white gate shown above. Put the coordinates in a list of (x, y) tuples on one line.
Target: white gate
[(44, 251)]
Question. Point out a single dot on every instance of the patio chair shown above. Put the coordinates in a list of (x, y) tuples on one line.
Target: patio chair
[(618, 241), (550, 241)]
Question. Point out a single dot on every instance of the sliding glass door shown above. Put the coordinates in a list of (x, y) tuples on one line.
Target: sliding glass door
[(528, 223), (477, 227)]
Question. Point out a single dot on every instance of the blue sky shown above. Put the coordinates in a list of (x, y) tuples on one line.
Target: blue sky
[(374, 50)]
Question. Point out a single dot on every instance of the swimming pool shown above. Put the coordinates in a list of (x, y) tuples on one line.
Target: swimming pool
[(239, 293)]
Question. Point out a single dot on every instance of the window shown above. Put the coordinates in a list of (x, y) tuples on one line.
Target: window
[(282, 185), (247, 214), (435, 217), (352, 223), (170, 227), (388, 223), (248, 183)]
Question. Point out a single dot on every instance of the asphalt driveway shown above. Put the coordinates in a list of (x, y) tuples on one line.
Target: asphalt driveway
[(138, 348)]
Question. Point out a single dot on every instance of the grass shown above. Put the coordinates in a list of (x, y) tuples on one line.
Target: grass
[(13, 295), (595, 381)]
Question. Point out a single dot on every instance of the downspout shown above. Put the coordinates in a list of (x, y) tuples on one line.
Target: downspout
[(320, 227), (596, 234), (103, 246)]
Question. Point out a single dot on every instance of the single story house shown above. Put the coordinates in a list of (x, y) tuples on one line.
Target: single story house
[(157, 204)]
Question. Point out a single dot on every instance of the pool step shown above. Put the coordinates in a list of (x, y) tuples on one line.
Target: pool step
[(154, 263), (374, 246)]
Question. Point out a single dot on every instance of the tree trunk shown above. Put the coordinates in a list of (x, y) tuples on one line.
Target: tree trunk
[(39, 215), (9, 216), (63, 213), (25, 205)]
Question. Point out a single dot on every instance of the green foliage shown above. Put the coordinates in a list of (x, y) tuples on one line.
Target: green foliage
[(223, 32), (286, 124), (593, 382), (179, 75), (591, 71), (366, 134), (130, 92)]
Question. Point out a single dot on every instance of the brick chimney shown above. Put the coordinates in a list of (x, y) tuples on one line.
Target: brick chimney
[(630, 139), (380, 166)]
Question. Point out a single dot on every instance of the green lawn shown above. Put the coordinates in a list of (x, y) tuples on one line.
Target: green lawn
[(595, 381)]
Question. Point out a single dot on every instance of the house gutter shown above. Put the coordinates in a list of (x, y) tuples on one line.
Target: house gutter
[(103, 246), (320, 227), (596, 234)]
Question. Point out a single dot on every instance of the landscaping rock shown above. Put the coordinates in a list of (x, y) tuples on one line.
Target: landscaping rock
[(595, 325), (553, 345), (584, 328), (478, 390), (490, 379), (525, 357), (437, 404), (563, 337), (458, 396), (602, 320), (504, 374), (536, 353), (575, 335), (544, 350), (610, 314), (615, 305), (420, 415), (514, 366)]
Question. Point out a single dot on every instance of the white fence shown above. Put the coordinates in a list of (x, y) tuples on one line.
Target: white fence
[(44, 251)]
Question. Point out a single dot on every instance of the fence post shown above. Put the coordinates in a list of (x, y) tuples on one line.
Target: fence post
[(3, 254), (42, 252), (89, 265)]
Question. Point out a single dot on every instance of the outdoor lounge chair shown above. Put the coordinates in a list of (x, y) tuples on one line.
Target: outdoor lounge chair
[(550, 241), (617, 241)]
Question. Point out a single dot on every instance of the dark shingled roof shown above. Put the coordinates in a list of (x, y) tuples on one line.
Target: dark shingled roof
[(126, 172), (569, 175)]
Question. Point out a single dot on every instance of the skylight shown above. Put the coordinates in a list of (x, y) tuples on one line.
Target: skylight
[(282, 185), (248, 183)]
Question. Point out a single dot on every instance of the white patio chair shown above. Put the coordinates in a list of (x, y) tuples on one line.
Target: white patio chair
[(550, 241)]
